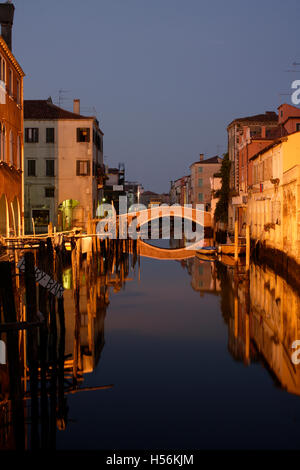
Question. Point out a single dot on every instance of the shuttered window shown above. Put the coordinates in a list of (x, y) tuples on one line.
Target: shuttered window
[(49, 167), (31, 134), (50, 135), (31, 171), (82, 168)]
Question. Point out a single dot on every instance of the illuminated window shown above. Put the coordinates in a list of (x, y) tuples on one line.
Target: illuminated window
[(83, 134)]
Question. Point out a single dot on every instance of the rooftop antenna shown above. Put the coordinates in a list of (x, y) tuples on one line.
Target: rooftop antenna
[(61, 98)]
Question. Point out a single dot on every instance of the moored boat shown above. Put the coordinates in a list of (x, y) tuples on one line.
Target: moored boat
[(207, 250), (229, 249)]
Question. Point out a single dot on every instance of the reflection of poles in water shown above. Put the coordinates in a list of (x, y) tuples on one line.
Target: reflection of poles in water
[(76, 259), (48, 372), (14, 367), (32, 343), (62, 405), (52, 350), (43, 308)]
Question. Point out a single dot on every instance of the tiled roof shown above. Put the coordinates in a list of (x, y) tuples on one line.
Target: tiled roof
[(268, 147), (45, 109), (211, 160), (269, 116)]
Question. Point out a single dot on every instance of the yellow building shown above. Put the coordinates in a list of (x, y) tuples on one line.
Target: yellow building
[(274, 197)]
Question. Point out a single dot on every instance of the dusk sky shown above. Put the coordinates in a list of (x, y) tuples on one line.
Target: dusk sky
[(165, 76)]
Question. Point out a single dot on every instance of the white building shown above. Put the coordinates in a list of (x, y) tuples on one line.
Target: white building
[(63, 166)]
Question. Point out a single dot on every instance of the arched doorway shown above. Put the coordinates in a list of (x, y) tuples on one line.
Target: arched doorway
[(4, 217)]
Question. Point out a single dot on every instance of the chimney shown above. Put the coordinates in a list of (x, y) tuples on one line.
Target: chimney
[(201, 157), (7, 11), (76, 106)]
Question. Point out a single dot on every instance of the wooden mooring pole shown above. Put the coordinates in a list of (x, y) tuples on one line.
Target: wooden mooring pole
[(247, 247), (236, 241)]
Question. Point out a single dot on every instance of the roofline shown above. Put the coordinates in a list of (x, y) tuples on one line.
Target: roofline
[(82, 118), (273, 144), (206, 162), (249, 120), (11, 57)]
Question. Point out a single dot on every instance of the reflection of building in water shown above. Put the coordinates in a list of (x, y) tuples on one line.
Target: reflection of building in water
[(204, 276), (46, 364), (264, 322), (92, 311)]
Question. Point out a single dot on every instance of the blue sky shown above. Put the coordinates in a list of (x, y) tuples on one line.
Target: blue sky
[(165, 76)]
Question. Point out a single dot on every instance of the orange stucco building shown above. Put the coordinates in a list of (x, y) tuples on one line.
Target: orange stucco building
[(11, 130)]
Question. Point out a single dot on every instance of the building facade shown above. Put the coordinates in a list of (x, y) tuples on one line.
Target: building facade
[(252, 127), (274, 197), (64, 169), (254, 134), (201, 172), (180, 191), (11, 130)]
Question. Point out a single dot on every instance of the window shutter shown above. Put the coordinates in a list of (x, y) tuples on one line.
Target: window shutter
[(88, 135), (88, 168), (78, 166), (78, 134)]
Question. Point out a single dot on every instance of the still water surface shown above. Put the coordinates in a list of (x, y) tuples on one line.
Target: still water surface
[(198, 358)]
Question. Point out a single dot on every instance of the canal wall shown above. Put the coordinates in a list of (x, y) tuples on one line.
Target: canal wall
[(279, 261)]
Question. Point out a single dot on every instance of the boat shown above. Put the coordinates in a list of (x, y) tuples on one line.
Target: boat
[(229, 261), (229, 249), (207, 251)]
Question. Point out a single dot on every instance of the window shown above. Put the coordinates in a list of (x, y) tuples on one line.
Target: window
[(31, 170), (41, 217), (83, 134), (10, 82), (19, 153), (49, 192), (200, 182), (2, 69), (82, 168), (49, 167), (31, 135), (200, 169), (298, 126), (50, 135), (200, 197), (11, 148), (18, 92), (3, 144)]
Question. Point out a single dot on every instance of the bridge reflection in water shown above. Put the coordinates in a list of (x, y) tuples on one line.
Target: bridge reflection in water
[(260, 309)]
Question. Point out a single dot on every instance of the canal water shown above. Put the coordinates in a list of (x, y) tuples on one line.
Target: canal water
[(180, 354), (192, 365)]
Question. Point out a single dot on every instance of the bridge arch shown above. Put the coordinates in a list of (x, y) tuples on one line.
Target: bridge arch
[(143, 217), (149, 251)]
